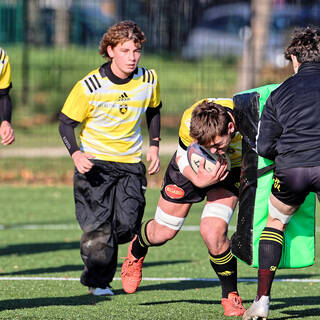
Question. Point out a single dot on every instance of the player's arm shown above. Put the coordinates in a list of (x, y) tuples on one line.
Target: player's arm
[(203, 178), (66, 129), (269, 131), (153, 123), (6, 131)]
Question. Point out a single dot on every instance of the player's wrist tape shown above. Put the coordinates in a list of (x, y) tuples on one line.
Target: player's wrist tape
[(183, 161), (154, 142)]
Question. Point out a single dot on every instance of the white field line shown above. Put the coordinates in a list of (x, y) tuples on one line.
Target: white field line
[(76, 227), (40, 227), (73, 227), (156, 279)]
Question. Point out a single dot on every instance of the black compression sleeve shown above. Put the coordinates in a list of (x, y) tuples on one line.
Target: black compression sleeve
[(5, 108), (153, 122), (66, 129)]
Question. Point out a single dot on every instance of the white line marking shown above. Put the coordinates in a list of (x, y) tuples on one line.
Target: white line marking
[(76, 227), (157, 279), (73, 227), (40, 227)]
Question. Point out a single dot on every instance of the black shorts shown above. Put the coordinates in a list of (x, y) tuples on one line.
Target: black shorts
[(177, 188), (111, 193), (291, 186)]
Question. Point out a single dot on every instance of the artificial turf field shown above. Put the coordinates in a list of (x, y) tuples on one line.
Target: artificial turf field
[(40, 266)]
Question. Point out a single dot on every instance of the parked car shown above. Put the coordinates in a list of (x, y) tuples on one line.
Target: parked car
[(223, 29)]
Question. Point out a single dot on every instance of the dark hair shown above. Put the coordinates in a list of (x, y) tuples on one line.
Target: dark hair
[(209, 120), (119, 33), (305, 45)]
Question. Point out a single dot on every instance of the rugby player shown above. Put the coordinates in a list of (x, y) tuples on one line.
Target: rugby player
[(209, 122), (6, 131), (109, 178), (289, 134)]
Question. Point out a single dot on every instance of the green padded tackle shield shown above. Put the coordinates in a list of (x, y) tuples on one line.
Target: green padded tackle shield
[(255, 188)]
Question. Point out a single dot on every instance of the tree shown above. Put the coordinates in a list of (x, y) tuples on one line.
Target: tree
[(254, 44)]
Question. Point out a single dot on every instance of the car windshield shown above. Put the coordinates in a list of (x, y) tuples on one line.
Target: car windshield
[(284, 21), (229, 24), (283, 18)]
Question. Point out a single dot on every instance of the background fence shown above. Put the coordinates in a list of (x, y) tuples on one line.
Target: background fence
[(198, 47), (54, 43)]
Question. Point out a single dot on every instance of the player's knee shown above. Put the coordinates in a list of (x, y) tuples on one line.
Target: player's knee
[(213, 234), (214, 225), (205, 229), (94, 246), (94, 251)]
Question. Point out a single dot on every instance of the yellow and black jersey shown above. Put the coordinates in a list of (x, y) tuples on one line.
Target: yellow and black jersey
[(111, 112), (235, 147), (5, 70)]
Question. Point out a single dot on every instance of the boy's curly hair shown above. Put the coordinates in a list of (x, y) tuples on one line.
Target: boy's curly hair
[(119, 33), (305, 45), (209, 120)]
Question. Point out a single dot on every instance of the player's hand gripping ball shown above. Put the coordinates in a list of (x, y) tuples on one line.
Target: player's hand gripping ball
[(195, 153)]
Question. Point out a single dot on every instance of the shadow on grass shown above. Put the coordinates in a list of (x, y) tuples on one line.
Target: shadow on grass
[(181, 285), (210, 302), (15, 304), (70, 268), (296, 302), (39, 271), (32, 248), (276, 305), (296, 276), (283, 278), (161, 263)]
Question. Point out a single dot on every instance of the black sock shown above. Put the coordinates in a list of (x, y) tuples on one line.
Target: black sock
[(225, 266), (270, 251), (141, 244)]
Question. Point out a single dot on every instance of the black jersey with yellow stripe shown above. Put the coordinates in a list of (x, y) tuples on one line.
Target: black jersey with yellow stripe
[(111, 110), (235, 147)]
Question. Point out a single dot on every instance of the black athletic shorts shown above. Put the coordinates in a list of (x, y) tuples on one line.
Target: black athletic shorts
[(291, 186), (177, 188), (111, 193)]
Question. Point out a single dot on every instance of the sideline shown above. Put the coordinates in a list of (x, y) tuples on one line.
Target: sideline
[(76, 227), (72, 227)]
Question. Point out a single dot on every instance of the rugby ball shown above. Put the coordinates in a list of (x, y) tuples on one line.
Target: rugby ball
[(195, 153)]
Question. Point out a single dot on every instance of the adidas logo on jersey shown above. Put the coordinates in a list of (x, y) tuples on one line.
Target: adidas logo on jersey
[(123, 97)]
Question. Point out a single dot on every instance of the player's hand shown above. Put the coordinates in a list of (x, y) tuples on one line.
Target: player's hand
[(82, 162), (205, 178), (153, 157), (6, 133)]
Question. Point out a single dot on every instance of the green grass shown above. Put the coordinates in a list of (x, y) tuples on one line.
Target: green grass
[(46, 252)]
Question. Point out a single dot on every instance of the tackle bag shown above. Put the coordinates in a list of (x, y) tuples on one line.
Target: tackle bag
[(255, 188)]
